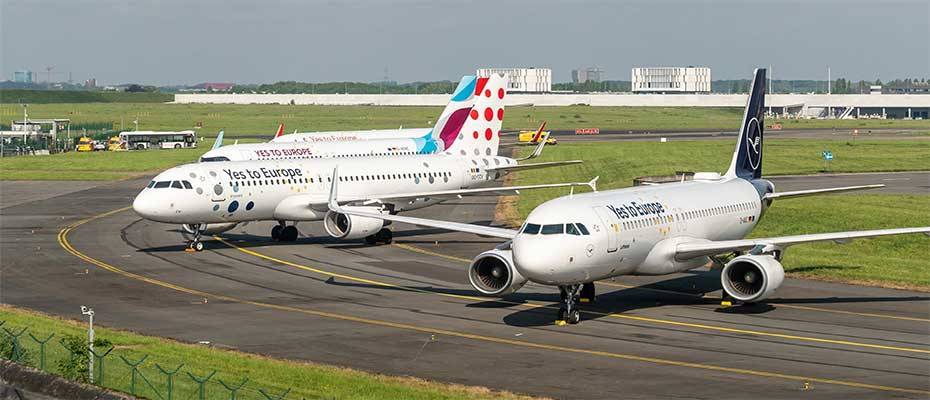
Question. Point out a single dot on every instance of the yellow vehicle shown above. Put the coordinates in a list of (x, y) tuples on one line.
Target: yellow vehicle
[(530, 137), (114, 144), (85, 144)]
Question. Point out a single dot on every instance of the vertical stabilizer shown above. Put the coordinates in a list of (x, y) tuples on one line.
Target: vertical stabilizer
[(450, 122), (747, 158), (480, 134)]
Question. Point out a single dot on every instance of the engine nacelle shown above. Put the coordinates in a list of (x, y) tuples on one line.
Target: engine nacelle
[(492, 273), (342, 226), (209, 229), (752, 278)]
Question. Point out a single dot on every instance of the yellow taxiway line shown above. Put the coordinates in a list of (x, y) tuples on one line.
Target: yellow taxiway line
[(614, 315), (63, 241)]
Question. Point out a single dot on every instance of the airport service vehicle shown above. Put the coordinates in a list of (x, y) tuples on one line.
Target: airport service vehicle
[(115, 144), (437, 139), (573, 241), (141, 140), (534, 137), (213, 197), (458, 98), (84, 144)]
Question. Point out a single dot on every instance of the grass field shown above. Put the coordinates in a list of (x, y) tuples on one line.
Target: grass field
[(17, 96), (896, 261), (95, 166), (306, 380), (256, 119)]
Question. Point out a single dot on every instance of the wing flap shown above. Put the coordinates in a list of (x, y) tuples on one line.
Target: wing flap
[(811, 192)]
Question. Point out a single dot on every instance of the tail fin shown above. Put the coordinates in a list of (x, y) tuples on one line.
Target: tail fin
[(747, 158), (279, 132), (218, 142), (480, 134), (449, 124)]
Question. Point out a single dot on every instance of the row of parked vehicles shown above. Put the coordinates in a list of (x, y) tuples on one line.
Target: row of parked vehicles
[(139, 140)]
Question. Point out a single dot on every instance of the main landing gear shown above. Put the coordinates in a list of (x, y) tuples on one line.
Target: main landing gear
[(570, 295), (384, 236), (283, 232)]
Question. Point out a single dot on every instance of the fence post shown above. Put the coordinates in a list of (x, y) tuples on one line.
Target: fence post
[(269, 397), (233, 389), (42, 348), (200, 382), (17, 350), (135, 371), (170, 375), (99, 364)]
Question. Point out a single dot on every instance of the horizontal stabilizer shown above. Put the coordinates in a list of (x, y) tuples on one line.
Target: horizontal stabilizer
[(811, 192)]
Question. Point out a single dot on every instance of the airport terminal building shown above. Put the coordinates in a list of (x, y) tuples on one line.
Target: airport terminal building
[(525, 80), (671, 80)]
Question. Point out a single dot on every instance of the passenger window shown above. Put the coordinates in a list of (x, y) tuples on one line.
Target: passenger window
[(152, 183), (531, 229), (555, 229), (187, 185), (162, 184)]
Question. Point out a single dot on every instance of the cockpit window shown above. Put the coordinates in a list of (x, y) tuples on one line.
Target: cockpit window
[(162, 184), (214, 159), (531, 229), (582, 228), (571, 230), (177, 185), (152, 183), (187, 185), (553, 229)]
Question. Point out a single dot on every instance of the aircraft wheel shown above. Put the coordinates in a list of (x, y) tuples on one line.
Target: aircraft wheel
[(371, 240), (197, 246), (385, 236), (289, 233), (574, 317), (276, 232)]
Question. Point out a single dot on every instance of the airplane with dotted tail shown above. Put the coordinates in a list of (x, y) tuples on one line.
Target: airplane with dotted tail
[(356, 143), (573, 241), (212, 197)]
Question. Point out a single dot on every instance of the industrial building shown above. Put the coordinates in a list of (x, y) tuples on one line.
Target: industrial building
[(23, 76), (671, 80), (526, 80), (589, 74)]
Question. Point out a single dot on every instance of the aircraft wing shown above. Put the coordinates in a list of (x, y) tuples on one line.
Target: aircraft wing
[(457, 193), (452, 226), (811, 192), (700, 248), (218, 142), (520, 167), (540, 143)]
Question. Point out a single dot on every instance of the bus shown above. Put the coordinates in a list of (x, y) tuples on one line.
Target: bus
[(141, 140)]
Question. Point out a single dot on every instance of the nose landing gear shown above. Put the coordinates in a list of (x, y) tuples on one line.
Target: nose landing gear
[(570, 296), (195, 244)]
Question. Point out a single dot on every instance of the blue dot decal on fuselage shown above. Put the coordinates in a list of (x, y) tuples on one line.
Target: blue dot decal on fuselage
[(233, 206), (249, 206)]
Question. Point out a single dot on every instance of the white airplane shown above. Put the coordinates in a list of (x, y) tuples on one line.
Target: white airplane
[(461, 95), (213, 197), (358, 143), (573, 241)]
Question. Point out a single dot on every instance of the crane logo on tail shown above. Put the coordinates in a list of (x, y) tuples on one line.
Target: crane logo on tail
[(754, 143)]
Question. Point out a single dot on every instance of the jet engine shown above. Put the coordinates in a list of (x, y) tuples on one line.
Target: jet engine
[(341, 226), (209, 229), (492, 273), (751, 278)]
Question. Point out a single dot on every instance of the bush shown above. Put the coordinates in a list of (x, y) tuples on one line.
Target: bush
[(75, 367), (22, 355)]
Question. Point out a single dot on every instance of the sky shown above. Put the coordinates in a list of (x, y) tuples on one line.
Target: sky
[(173, 42)]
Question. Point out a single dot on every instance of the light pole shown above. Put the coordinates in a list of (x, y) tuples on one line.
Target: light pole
[(89, 312)]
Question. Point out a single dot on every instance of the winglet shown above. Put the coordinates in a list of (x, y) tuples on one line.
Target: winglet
[(540, 141), (593, 183), (279, 132), (333, 191), (218, 142)]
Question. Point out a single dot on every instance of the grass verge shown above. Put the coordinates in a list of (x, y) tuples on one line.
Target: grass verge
[(263, 119), (95, 166), (306, 380)]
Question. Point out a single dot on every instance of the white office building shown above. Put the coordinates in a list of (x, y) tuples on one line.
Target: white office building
[(531, 80), (671, 80)]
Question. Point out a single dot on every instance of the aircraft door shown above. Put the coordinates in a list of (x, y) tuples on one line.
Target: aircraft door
[(609, 227)]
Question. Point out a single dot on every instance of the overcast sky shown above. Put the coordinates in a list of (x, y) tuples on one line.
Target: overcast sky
[(190, 41)]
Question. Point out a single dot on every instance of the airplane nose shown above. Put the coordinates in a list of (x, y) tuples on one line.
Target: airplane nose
[(532, 258), (146, 206)]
